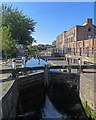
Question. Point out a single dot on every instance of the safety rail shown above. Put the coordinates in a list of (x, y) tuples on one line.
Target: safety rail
[(12, 70), (88, 51)]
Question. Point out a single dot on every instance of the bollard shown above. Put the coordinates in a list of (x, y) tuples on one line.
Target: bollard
[(92, 50), (69, 62), (70, 50), (79, 51), (87, 51), (66, 59), (74, 51), (79, 61), (14, 63), (82, 62), (23, 61), (63, 51), (70, 59)]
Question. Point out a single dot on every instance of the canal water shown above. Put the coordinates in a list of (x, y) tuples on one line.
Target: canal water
[(32, 62), (48, 110), (35, 62)]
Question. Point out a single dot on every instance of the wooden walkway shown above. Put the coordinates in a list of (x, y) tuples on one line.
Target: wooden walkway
[(11, 70)]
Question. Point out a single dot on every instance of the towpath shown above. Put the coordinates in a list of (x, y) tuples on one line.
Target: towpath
[(5, 86)]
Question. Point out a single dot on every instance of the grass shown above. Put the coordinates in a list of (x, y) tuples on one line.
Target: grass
[(5, 86), (89, 111)]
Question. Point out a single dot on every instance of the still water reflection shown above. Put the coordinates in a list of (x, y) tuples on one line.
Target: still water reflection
[(35, 62)]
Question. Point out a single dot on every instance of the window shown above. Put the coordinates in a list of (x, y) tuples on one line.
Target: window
[(89, 29), (89, 37), (72, 39)]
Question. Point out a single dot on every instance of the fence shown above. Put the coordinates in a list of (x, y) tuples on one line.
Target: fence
[(87, 51)]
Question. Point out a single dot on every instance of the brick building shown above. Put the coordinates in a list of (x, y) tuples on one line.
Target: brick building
[(78, 36), (60, 40)]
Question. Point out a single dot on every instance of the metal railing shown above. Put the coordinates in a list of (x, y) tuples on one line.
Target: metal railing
[(87, 51), (11, 70)]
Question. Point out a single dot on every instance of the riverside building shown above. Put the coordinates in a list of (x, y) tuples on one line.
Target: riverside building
[(79, 36)]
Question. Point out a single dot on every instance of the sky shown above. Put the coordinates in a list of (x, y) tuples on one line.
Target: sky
[(54, 17)]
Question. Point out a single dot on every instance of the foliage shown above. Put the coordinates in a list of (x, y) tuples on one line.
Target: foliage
[(8, 43), (19, 25), (49, 46), (89, 111), (34, 48), (94, 115), (29, 47)]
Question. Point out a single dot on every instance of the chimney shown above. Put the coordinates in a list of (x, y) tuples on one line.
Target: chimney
[(89, 21)]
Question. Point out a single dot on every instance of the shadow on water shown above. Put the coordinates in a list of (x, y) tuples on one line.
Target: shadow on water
[(41, 103), (31, 101), (66, 101), (56, 101)]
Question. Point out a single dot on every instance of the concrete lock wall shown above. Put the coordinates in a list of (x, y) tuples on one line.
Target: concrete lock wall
[(70, 78), (88, 89), (10, 99), (9, 102), (86, 86), (28, 79)]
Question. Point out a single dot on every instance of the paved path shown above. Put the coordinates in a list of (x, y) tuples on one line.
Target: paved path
[(5, 85)]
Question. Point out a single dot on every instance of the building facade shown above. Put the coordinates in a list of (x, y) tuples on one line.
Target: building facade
[(78, 36), (60, 40)]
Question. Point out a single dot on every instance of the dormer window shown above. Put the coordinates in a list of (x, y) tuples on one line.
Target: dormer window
[(89, 29)]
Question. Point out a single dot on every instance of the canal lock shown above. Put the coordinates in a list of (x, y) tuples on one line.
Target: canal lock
[(36, 99)]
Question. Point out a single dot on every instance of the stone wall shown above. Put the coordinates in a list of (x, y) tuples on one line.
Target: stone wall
[(71, 79), (86, 86), (10, 99), (9, 102), (31, 93), (88, 89)]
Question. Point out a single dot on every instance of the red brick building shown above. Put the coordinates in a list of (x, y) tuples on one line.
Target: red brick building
[(79, 36)]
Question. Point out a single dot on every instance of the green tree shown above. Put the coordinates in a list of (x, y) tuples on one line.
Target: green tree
[(21, 27), (29, 47), (8, 44)]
